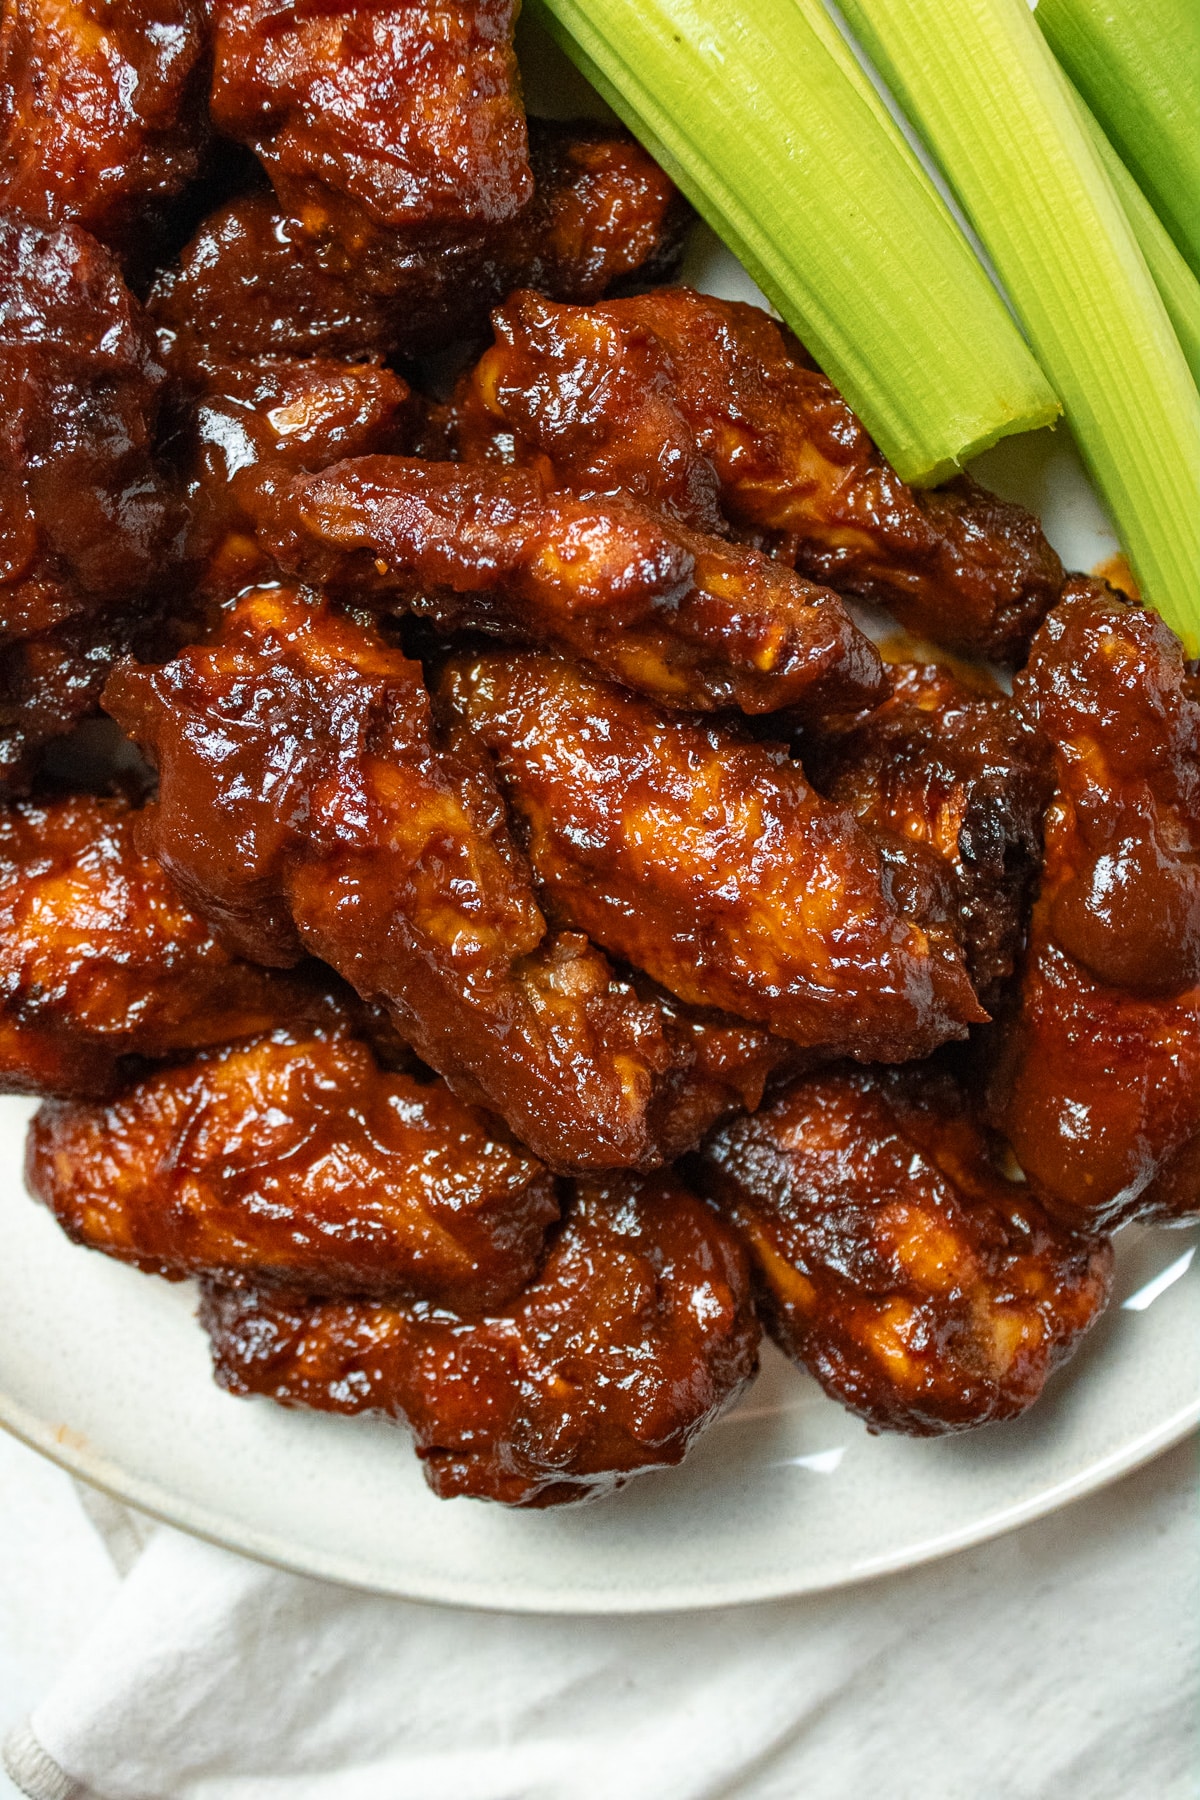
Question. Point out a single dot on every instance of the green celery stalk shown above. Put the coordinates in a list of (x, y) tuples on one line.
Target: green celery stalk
[(1177, 286), (763, 117), (1137, 64), (978, 81)]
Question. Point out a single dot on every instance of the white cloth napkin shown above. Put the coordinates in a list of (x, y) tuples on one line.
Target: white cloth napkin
[(1060, 1663)]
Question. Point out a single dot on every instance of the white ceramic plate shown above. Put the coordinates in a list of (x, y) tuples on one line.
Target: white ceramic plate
[(106, 1371)]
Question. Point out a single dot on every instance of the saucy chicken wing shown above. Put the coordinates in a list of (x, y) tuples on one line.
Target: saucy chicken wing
[(407, 111), (101, 960), (101, 110), (307, 804), (923, 1290), (587, 398), (688, 401), (636, 1334), (952, 772), (709, 862), (956, 564), (691, 620), (255, 425), (1098, 1085), (294, 1158), (251, 283), (84, 519)]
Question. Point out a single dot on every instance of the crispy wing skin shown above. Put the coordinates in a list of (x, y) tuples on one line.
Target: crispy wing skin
[(294, 1159), (84, 518), (691, 620), (1098, 1085), (957, 564), (254, 282), (255, 425), (636, 1334), (923, 1290), (410, 112), (955, 773), (709, 862), (307, 803), (100, 958), (101, 109)]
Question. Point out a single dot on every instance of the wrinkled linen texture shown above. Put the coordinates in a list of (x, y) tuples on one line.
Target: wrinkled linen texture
[(1058, 1663)]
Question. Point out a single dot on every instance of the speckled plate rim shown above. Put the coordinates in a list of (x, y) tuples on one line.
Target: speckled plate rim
[(174, 1510)]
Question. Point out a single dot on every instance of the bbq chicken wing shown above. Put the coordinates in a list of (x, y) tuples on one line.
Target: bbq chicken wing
[(253, 283), (709, 862), (956, 564), (409, 113), (306, 804), (922, 1290), (101, 110), (255, 425), (693, 403), (636, 1334), (101, 960), (950, 772), (84, 519), (587, 399), (693, 621), (1098, 1085), (293, 1158)]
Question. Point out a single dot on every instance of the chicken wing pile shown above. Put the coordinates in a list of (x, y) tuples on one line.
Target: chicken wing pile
[(472, 891)]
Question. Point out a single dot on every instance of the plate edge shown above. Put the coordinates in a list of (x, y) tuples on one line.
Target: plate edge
[(159, 1504)]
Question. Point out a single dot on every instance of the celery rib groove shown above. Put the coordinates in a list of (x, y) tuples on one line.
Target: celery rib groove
[(766, 122)]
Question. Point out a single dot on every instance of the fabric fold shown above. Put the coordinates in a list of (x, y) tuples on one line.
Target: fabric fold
[(1059, 1662)]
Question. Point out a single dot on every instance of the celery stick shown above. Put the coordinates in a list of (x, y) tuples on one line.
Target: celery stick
[(1178, 287), (764, 119), (978, 81), (1137, 64)]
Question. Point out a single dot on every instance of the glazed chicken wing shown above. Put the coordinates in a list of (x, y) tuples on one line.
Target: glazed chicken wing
[(709, 862), (255, 425), (923, 1290), (587, 397), (691, 620), (84, 520), (950, 772), (306, 803), (101, 110), (603, 216), (100, 958), (956, 564), (293, 1158), (687, 400), (407, 112), (636, 1334), (252, 283), (1098, 1087)]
